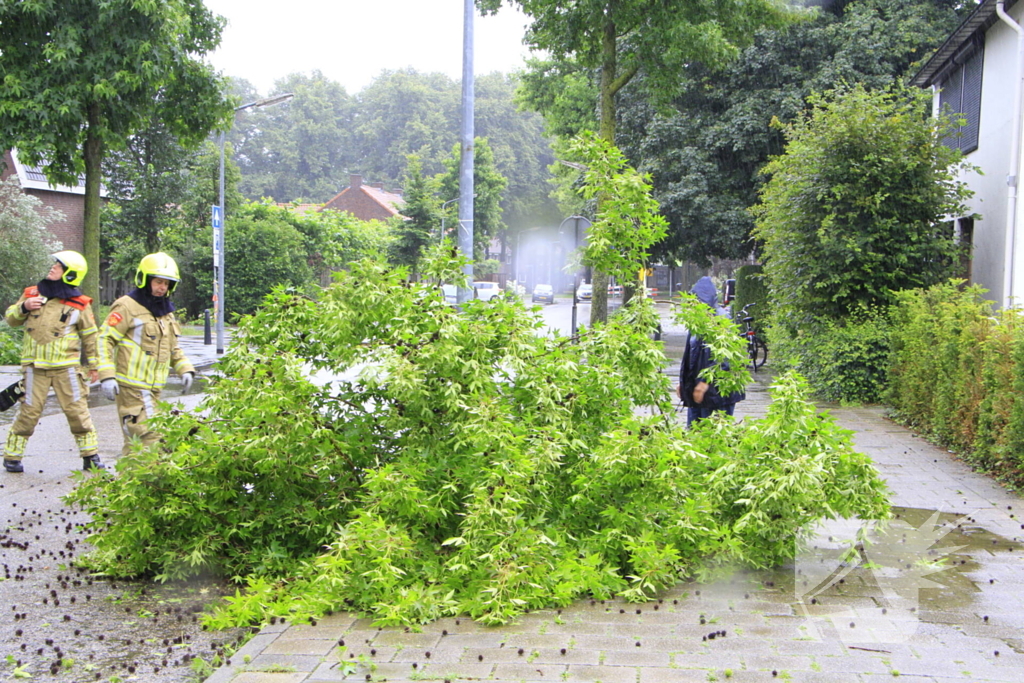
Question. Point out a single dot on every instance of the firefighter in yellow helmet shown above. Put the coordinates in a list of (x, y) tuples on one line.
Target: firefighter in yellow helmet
[(139, 347), (58, 322)]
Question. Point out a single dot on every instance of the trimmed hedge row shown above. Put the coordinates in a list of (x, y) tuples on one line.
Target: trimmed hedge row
[(957, 372), (751, 288)]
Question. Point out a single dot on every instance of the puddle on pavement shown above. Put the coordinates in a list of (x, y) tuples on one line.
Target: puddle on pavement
[(921, 567)]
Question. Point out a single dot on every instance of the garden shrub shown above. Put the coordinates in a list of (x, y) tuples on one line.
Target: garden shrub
[(751, 288), (957, 370), (10, 345), (457, 462), (843, 360)]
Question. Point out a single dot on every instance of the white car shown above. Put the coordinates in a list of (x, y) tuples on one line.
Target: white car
[(450, 294), (585, 292), (487, 290)]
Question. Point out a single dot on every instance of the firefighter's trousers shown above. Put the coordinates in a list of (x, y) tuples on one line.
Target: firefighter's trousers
[(72, 392), (134, 408)]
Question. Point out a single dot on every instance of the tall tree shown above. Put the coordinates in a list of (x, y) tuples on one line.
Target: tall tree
[(705, 150), (422, 213), (80, 76), (854, 208), (402, 113), (25, 243), (522, 152), (488, 185), (147, 181), (621, 38), (301, 150)]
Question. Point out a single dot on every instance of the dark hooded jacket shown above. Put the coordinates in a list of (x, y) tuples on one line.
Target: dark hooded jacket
[(697, 356)]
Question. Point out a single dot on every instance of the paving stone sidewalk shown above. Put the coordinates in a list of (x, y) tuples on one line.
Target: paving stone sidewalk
[(968, 627)]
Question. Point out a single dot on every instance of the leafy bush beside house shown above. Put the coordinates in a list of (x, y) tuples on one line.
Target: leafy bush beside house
[(853, 213), (845, 361), (957, 372)]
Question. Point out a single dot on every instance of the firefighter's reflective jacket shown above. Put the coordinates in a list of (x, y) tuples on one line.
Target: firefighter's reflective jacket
[(56, 332), (138, 348)]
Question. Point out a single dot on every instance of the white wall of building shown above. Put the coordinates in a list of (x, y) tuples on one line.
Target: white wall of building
[(999, 79)]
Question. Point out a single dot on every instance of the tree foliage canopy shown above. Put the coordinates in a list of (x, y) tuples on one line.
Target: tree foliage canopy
[(854, 208), (705, 150), (80, 76)]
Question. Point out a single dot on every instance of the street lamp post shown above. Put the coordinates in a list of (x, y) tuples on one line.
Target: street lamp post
[(576, 275), (220, 217)]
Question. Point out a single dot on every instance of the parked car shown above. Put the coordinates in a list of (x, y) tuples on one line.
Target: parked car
[(585, 292), (487, 290), (450, 294), (544, 293)]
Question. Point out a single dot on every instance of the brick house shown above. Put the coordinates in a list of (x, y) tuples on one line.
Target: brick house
[(366, 202), (68, 200)]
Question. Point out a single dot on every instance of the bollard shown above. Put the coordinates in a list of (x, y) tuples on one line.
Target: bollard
[(207, 338)]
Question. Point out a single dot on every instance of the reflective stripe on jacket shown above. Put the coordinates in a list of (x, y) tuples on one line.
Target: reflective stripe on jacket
[(138, 348), (56, 332)]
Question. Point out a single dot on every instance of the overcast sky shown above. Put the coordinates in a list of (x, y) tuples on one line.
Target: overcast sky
[(351, 42)]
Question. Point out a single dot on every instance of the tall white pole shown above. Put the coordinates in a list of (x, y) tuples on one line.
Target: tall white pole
[(218, 265), (466, 161), (218, 293)]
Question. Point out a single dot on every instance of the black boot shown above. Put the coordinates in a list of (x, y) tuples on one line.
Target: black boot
[(12, 465), (92, 462)]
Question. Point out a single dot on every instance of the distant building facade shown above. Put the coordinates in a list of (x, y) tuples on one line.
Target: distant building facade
[(366, 202), (70, 201)]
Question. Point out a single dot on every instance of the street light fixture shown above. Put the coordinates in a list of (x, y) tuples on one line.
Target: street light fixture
[(219, 217), (442, 216)]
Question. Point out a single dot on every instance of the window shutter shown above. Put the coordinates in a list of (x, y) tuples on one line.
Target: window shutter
[(971, 103), (949, 103)]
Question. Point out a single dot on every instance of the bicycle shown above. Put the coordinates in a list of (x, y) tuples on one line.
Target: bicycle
[(757, 349)]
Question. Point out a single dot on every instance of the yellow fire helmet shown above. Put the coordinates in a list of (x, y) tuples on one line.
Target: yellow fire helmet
[(157, 265), (75, 266)]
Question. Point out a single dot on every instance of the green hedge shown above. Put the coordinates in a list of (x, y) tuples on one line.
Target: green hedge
[(957, 370), (844, 361), (751, 288)]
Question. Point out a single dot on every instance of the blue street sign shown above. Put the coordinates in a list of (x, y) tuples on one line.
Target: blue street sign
[(218, 233)]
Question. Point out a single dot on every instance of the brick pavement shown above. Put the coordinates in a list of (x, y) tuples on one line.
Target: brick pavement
[(970, 627)]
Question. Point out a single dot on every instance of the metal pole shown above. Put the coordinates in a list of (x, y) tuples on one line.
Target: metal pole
[(576, 274), (575, 246), (218, 291), (218, 266), (466, 161)]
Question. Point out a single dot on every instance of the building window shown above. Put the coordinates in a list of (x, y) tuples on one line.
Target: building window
[(960, 93)]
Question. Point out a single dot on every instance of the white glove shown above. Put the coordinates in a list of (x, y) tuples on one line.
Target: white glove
[(186, 382), (110, 388)]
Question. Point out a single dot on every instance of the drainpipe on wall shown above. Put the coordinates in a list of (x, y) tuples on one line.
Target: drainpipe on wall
[(1011, 181)]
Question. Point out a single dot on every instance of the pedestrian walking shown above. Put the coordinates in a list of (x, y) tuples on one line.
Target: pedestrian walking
[(59, 323), (139, 347), (700, 398)]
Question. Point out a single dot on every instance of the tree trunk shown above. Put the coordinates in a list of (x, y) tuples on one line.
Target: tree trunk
[(93, 154), (599, 302)]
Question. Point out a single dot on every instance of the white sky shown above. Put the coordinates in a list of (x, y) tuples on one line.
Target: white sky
[(351, 42)]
